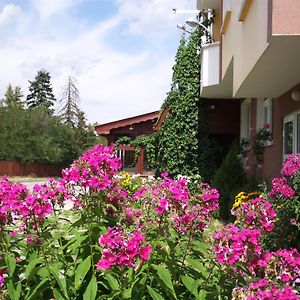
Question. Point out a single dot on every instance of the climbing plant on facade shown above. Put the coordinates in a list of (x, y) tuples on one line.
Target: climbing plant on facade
[(184, 132)]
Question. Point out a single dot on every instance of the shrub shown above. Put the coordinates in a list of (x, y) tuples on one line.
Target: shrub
[(229, 180)]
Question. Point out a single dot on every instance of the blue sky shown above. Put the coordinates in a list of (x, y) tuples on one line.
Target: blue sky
[(121, 52)]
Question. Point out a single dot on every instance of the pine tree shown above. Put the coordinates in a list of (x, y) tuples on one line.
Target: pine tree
[(69, 112), (13, 97), (41, 94)]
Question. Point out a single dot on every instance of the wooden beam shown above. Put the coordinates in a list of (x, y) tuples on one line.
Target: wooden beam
[(244, 9), (225, 22)]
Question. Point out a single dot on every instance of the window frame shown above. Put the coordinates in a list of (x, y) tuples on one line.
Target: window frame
[(294, 118)]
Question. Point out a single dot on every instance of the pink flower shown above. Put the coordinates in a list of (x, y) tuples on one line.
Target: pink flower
[(122, 248), (145, 252), (280, 187), (163, 206), (291, 165)]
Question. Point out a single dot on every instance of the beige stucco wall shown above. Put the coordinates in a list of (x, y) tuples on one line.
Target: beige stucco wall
[(250, 39), (227, 41)]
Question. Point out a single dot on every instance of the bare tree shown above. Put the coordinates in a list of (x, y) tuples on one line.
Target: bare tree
[(69, 111)]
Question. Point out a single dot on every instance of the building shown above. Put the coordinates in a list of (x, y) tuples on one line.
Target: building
[(130, 127), (254, 59)]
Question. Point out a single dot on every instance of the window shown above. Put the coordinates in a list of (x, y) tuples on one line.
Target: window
[(291, 134), (268, 113), (264, 113), (245, 118)]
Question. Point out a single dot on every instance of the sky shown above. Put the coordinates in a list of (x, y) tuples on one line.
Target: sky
[(120, 52)]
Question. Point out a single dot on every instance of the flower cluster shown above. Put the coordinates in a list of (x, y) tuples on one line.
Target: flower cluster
[(164, 195), (196, 215), (171, 199), (243, 197), (29, 209), (128, 182), (262, 289), (2, 278), (280, 187), (12, 204), (282, 265), (256, 213), (234, 244), (291, 165), (94, 170), (122, 248)]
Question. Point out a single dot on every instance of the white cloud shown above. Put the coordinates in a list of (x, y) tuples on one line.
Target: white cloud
[(113, 82), (153, 16), (47, 8), (9, 14)]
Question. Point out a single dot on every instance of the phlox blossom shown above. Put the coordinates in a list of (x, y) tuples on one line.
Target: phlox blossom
[(291, 165), (121, 248)]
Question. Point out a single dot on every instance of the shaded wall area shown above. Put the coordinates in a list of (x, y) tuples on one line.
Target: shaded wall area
[(12, 168), (273, 155), (223, 118)]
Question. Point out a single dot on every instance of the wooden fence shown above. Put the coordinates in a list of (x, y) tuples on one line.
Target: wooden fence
[(12, 168)]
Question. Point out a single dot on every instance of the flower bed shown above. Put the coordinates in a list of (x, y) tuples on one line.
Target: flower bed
[(128, 238)]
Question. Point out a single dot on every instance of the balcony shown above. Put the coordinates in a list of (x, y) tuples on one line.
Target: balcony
[(210, 74)]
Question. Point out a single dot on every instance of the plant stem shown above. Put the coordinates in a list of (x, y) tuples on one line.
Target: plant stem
[(90, 230), (187, 248)]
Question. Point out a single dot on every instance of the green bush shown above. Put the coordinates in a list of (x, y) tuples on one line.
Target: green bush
[(229, 179)]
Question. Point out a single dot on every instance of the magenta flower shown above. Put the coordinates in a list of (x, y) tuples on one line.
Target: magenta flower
[(280, 187), (122, 248), (291, 165)]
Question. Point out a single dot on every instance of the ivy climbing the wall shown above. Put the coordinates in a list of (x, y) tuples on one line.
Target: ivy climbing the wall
[(184, 146)]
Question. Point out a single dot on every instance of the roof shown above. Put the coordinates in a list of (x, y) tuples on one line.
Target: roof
[(107, 127)]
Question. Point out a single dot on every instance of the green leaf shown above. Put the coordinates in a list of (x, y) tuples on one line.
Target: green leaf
[(91, 291), (113, 282), (165, 276), (202, 295), (43, 272), (190, 284), (154, 294), (13, 294), (33, 261), (31, 295), (60, 279), (57, 295), (126, 294), (18, 291), (196, 265), (10, 263), (81, 271)]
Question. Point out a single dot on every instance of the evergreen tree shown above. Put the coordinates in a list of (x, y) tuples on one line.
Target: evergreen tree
[(13, 97), (41, 94), (69, 112), (230, 179), (84, 134)]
